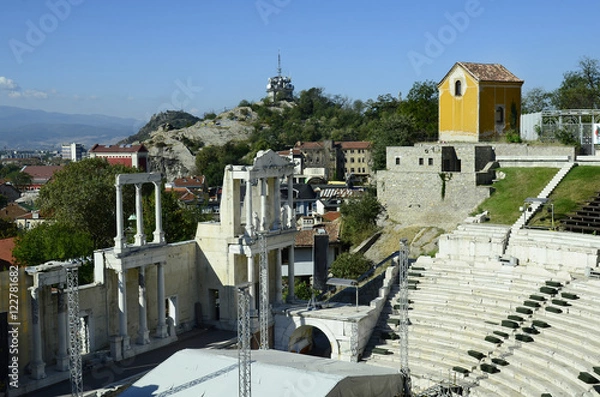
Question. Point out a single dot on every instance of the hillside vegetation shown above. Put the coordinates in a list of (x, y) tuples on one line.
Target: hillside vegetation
[(511, 191), (578, 187)]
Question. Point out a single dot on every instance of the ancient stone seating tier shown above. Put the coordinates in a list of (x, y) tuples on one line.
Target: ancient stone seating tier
[(586, 219), (563, 353), (457, 314)]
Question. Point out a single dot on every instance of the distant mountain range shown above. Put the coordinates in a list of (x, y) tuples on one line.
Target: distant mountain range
[(37, 129)]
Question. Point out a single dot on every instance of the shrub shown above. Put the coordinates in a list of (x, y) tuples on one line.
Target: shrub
[(478, 355), (500, 361), (587, 378), (540, 324), (350, 266), (524, 310), (531, 304), (524, 338), (489, 368), (493, 339), (548, 291), (538, 298), (461, 370), (568, 295), (510, 324), (530, 330)]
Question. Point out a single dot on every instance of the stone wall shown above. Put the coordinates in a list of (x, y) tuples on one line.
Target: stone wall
[(416, 198), (524, 149)]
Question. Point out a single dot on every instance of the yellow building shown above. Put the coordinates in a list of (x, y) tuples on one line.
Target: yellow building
[(478, 102)]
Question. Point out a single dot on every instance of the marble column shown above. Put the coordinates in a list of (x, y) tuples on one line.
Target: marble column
[(159, 234), (143, 333), (252, 287), (140, 237), (291, 279), (277, 199), (249, 226), (291, 219), (122, 303), (278, 284), (263, 204), (62, 356), (120, 239), (161, 328), (37, 365)]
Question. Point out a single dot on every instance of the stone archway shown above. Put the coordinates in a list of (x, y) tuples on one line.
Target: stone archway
[(314, 333)]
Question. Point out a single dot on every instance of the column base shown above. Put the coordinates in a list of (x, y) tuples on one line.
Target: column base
[(38, 370), (126, 343), (161, 331), (62, 363), (143, 338), (159, 238), (116, 348)]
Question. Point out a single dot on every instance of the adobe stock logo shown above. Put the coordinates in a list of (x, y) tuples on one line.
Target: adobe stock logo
[(435, 45), (266, 8), (59, 11)]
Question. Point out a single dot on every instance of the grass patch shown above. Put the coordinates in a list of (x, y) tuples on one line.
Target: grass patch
[(579, 187), (510, 193)]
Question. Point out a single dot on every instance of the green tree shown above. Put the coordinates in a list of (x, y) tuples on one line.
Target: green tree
[(7, 228), (211, 160), (179, 222), (580, 89), (535, 100), (359, 217), (19, 179), (422, 105), (82, 197), (52, 241), (395, 130), (350, 266)]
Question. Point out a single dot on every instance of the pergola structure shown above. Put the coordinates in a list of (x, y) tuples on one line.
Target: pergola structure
[(577, 122)]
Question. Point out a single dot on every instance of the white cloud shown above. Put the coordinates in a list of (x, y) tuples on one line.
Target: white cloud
[(14, 91), (8, 84), (28, 94)]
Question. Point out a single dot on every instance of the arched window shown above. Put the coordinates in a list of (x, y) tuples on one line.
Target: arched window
[(458, 88), (499, 114)]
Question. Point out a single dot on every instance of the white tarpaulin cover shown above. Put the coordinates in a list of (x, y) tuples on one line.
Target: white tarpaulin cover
[(214, 373)]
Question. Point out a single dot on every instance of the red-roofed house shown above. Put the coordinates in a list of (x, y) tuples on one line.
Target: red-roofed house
[(6, 257), (40, 175), (303, 247), (478, 102), (135, 156)]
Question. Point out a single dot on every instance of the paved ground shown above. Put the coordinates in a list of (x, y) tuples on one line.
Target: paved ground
[(115, 372)]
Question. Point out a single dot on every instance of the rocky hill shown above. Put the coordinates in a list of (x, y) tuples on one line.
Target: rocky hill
[(173, 148)]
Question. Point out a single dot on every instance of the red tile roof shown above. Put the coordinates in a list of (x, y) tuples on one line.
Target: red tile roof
[(189, 181), (12, 211), (97, 148), (6, 248), (489, 72), (308, 145), (331, 216), (304, 238), (41, 172), (355, 145)]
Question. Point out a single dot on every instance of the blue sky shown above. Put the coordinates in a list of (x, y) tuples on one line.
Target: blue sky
[(132, 58)]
